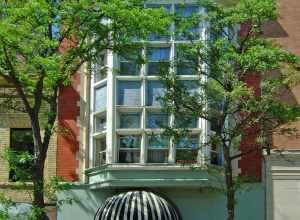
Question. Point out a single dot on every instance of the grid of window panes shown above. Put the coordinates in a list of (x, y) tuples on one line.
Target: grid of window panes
[(99, 110), (137, 110), (139, 91)]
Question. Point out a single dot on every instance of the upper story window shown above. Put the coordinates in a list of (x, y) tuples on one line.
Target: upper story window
[(158, 60), (155, 92), (187, 149), (186, 28), (129, 93), (129, 65), (130, 120), (129, 148), (162, 37), (157, 120), (99, 68), (100, 98)]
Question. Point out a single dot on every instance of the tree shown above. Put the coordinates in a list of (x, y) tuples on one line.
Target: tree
[(44, 42), (225, 61)]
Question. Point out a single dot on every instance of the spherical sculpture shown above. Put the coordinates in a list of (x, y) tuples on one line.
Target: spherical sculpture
[(137, 205)]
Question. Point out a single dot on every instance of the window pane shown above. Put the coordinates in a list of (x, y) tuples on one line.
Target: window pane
[(157, 120), (186, 122), (129, 68), (129, 64), (191, 142), (99, 68), (158, 141), (190, 32), (100, 99), (130, 141), (100, 149), (158, 60), (131, 156), (191, 86), (100, 123), (155, 91), (157, 156), (130, 120), (158, 53), (155, 37), (129, 93), (187, 149)]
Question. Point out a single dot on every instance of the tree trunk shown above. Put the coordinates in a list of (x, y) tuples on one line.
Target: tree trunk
[(38, 191), (38, 172), (230, 187)]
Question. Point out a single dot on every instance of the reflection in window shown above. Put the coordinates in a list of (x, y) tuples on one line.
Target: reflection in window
[(100, 98), (155, 91), (184, 66), (163, 37), (100, 148), (130, 120), (186, 122), (129, 93), (184, 30), (187, 149), (100, 68), (100, 123), (129, 149), (129, 65), (158, 60), (158, 149), (157, 120)]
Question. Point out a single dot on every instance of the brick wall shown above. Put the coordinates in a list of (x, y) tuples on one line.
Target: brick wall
[(69, 135), (286, 31)]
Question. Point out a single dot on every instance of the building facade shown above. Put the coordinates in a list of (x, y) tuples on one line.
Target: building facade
[(115, 149)]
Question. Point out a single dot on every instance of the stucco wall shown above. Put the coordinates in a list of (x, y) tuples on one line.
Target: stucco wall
[(194, 204)]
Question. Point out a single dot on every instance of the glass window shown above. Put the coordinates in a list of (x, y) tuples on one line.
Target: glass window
[(158, 60), (162, 37), (129, 93), (155, 91), (100, 123), (191, 86), (99, 68), (129, 149), (157, 120), (186, 122), (187, 149), (100, 98), (129, 65), (184, 66), (100, 148), (130, 120), (158, 149), (184, 30), (21, 141)]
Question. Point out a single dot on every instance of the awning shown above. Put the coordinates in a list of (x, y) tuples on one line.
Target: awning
[(137, 205)]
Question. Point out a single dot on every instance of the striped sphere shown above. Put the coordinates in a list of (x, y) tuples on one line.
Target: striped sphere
[(136, 205)]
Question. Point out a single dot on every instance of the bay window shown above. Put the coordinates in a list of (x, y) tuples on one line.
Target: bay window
[(129, 151)]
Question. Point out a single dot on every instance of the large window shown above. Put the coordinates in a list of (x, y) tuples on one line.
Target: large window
[(129, 148), (155, 92), (158, 149), (129, 93), (158, 60), (21, 143), (100, 98)]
